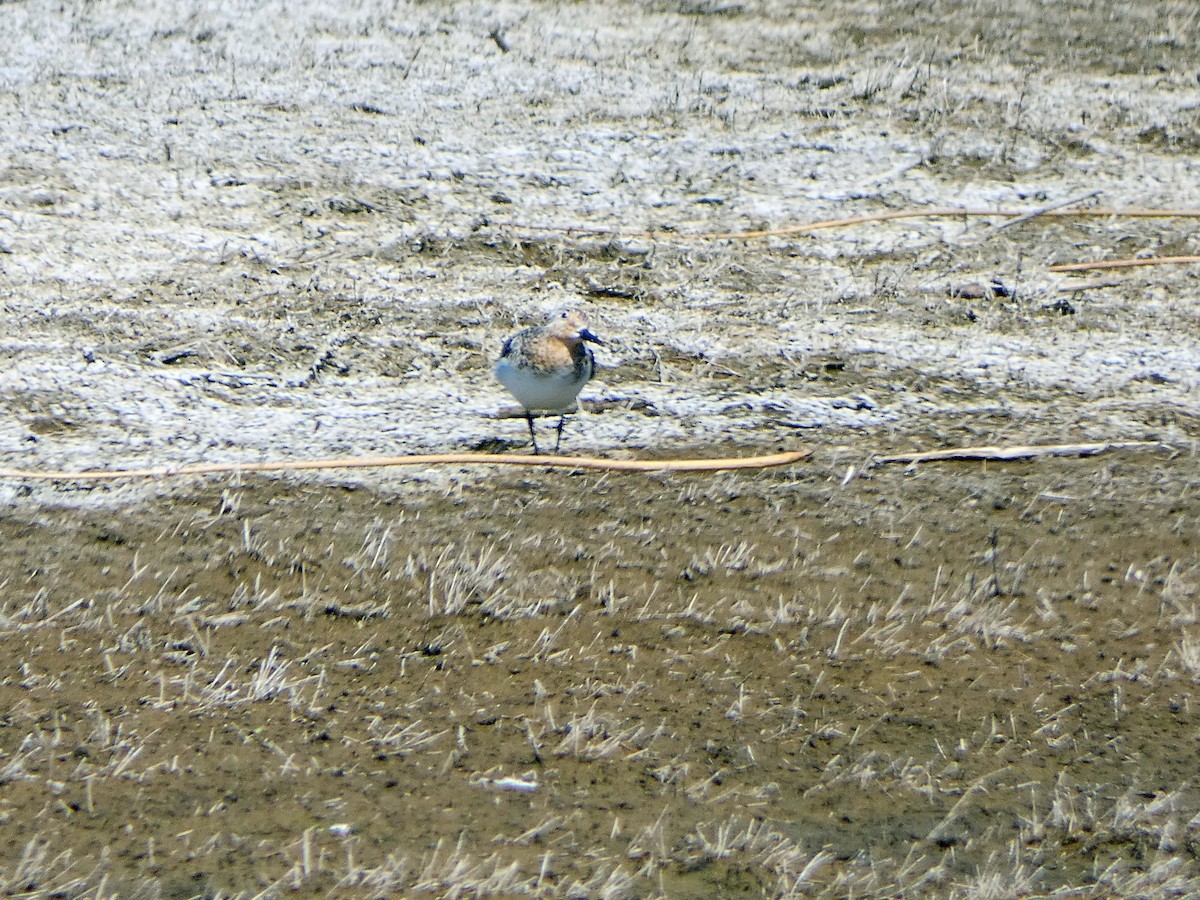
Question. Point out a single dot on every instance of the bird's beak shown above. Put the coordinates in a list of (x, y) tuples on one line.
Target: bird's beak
[(585, 335)]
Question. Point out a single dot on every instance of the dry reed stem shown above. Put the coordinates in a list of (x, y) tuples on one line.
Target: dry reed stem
[(1048, 208), (434, 459), (1016, 452), (574, 462), (939, 212), (1124, 263)]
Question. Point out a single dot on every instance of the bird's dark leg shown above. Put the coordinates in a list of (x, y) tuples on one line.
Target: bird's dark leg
[(561, 419), (532, 436)]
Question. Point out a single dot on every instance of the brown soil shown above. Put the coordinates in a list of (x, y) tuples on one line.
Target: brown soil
[(243, 235)]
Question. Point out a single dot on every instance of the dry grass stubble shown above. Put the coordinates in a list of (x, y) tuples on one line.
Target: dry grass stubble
[(300, 232), (775, 683)]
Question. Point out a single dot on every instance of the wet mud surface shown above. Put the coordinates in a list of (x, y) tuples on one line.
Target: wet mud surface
[(693, 685), (232, 235)]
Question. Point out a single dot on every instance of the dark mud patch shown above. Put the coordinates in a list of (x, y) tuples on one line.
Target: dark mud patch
[(695, 685), (275, 234)]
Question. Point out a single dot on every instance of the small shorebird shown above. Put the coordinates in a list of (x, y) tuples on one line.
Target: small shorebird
[(545, 367)]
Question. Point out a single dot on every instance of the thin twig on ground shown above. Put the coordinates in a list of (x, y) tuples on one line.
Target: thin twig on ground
[(891, 215), (1016, 452), (1125, 263), (1079, 286), (1053, 207), (434, 459)]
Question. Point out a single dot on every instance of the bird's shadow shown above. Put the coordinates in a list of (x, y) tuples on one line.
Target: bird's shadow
[(500, 445)]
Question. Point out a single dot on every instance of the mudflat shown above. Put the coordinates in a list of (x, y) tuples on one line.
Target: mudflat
[(292, 232)]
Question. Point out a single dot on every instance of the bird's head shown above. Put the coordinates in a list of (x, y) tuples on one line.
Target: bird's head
[(572, 325)]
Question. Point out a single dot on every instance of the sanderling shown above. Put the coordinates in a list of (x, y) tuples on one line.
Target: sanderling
[(545, 367)]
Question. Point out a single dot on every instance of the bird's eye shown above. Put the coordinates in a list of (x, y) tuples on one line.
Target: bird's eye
[(565, 314)]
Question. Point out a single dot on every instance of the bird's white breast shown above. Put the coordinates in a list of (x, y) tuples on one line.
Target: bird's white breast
[(544, 391)]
